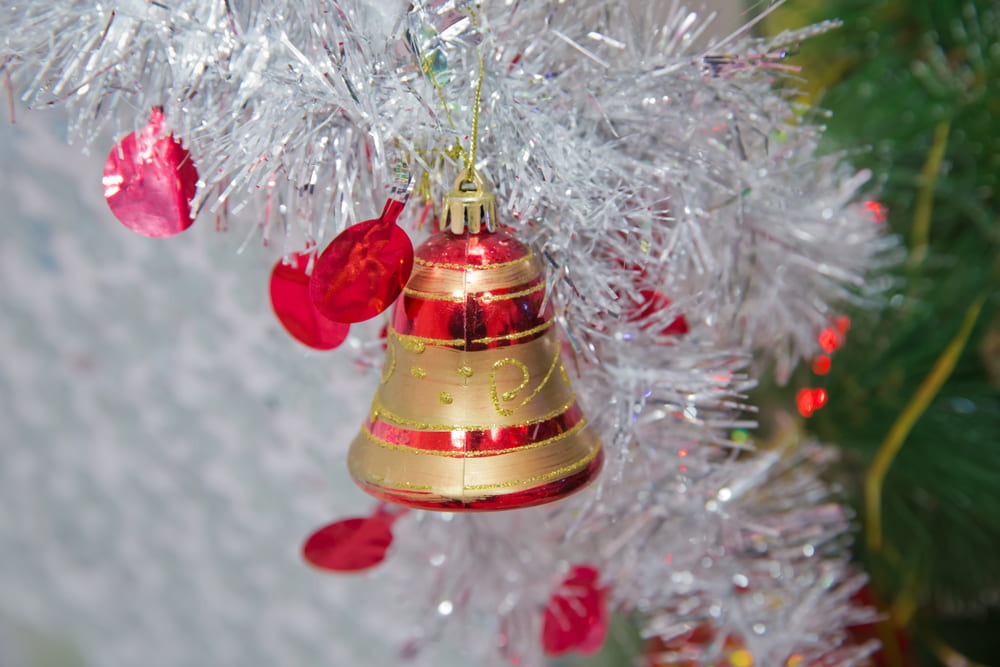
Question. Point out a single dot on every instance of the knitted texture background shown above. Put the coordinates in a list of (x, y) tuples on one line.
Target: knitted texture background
[(165, 445)]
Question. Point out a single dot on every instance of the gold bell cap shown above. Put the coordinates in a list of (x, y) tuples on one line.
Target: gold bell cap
[(471, 203)]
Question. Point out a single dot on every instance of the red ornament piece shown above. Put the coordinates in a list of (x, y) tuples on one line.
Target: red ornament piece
[(150, 180), (819, 397), (351, 545), (295, 310), (363, 269), (829, 340), (576, 618), (879, 212), (475, 410), (821, 365), (652, 302), (806, 402), (459, 425)]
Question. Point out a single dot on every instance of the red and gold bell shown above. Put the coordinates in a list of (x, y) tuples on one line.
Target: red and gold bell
[(474, 410)]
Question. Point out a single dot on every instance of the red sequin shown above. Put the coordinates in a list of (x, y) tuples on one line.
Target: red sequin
[(829, 340), (819, 397), (810, 400), (150, 180), (364, 269), (821, 365), (295, 310), (351, 545), (806, 402), (576, 618), (878, 211)]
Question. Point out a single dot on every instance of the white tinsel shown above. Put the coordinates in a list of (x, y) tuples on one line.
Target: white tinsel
[(640, 157)]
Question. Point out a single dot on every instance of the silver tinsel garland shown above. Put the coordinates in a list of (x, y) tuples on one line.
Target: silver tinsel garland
[(638, 155)]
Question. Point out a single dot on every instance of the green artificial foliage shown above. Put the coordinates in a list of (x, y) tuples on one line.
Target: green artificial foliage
[(913, 88)]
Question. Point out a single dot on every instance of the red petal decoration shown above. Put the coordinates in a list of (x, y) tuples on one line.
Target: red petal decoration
[(653, 301), (576, 618), (363, 269), (351, 545), (295, 310), (150, 180)]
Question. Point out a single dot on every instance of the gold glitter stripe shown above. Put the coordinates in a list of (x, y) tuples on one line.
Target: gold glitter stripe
[(382, 481), (488, 298), (379, 412), (473, 267), (458, 342), (416, 343), (555, 474), (464, 455), (515, 336)]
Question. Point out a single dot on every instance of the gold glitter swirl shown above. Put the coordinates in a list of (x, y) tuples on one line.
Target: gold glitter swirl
[(511, 395)]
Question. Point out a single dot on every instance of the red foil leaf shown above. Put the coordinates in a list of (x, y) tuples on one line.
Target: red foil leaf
[(150, 180), (350, 545), (364, 269), (295, 310), (576, 618)]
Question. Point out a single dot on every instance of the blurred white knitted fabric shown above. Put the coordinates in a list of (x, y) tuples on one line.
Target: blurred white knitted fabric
[(165, 445)]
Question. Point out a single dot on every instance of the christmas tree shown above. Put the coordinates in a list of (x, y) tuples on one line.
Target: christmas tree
[(915, 402), (691, 238)]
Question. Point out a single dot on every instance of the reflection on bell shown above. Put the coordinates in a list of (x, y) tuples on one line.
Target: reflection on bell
[(474, 410)]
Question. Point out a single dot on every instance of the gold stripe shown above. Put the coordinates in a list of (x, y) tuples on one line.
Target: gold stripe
[(473, 267), (411, 342), (457, 279), (381, 481), (555, 474), (463, 479), (415, 343), (379, 412), (488, 298), (365, 431), (515, 336)]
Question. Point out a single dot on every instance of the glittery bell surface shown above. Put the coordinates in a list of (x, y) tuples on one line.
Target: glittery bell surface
[(474, 410)]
